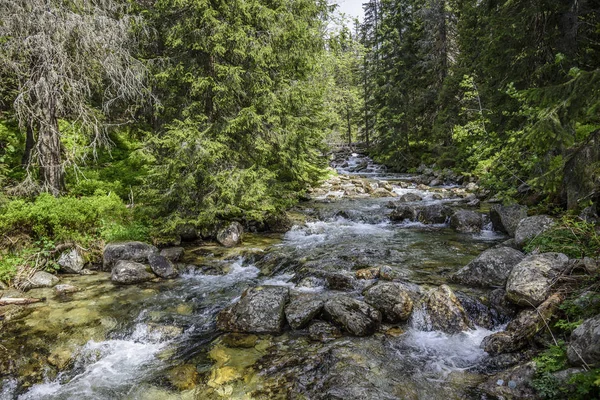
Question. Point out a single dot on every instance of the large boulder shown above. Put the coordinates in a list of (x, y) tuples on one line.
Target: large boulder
[(302, 309), (489, 269), (392, 300), (466, 221), (40, 279), (71, 261), (128, 251), (409, 197), (231, 235), (405, 212), (260, 310), (354, 316), (506, 218), (442, 311), (531, 227), (162, 266), (511, 384), (129, 272), (584, 348), (530, 281)]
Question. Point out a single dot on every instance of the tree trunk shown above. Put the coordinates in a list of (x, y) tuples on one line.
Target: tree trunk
[(349, 126), (49, 154), (29, 145)]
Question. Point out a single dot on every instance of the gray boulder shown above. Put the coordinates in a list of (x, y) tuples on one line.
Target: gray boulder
[(128, 251), (489, 269), (584, 348), (466, 221), (530, 227), (162, 266), (405, 212), (40, 279), (442, 311), (354, 316), (506, 218), (260, 310), (530, 281), (434, 214), (392, 300), (130, 272), (172, 253), (302, 309), (71, 261), (231, 235)]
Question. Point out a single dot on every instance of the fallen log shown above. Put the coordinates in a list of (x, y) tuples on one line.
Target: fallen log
[(19, 301)]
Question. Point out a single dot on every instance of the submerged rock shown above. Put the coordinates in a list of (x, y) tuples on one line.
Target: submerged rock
[(162, 266), (466, 221), (584, 348), (489, 269), (321, 331), (442, 311), (506, 218), (64, 289), (392, 300), (71, 261), (531, 227), (354, 316), (260, 310), (231, 235), (302, 309), (367, 273), (184, 377), (129, 272), (127, 251), (530, 281)]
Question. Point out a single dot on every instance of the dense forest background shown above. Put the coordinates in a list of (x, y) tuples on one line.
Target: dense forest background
[(139, 120)]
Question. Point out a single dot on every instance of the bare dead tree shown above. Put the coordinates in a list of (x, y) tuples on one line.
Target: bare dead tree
[(62, 54)]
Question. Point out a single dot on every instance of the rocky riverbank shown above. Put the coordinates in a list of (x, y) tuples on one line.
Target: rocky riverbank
[(389, 288)]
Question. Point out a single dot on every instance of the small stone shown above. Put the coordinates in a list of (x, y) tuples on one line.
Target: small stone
[(231, 235), (367, 273), (64, 289), (41, 279), (324, 332), (162, 266), (71, 261)]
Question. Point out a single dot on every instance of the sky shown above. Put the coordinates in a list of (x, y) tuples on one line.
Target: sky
[(351, 7)]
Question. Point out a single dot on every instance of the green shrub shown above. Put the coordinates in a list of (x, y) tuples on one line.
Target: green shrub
[(66, 218), (571, 236)]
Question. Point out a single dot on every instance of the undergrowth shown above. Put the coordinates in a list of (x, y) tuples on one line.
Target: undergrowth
[(571, 235)]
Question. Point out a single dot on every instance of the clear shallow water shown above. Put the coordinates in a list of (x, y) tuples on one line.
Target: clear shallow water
[(125, 341)]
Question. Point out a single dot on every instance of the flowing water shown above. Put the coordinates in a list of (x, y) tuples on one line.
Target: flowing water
[(158, 340)]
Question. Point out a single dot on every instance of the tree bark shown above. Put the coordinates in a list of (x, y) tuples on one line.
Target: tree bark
[(29, 146), (49, 154)]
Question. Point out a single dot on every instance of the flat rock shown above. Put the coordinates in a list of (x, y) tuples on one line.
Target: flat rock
[(130, 272), (162, 266), (41, 279), (489, 269), (354, 316), (530, 281), (302, 309), (128, 251), (260, 310), (392, 300)]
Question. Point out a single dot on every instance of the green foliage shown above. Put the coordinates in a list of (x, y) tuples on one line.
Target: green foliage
[(571, 236), (65, 218)]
